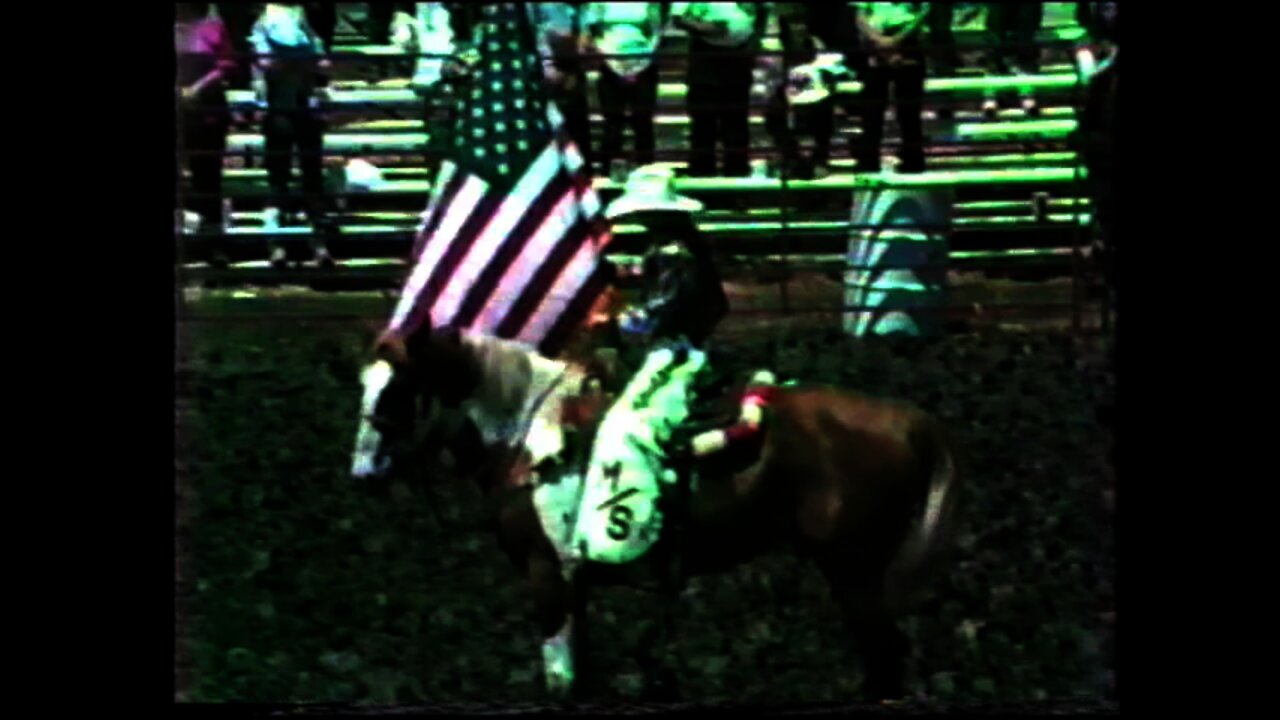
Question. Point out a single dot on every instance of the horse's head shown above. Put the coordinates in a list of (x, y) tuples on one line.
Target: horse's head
[(411, 379)]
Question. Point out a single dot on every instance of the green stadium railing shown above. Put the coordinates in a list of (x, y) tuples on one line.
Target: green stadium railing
[(396, 94)]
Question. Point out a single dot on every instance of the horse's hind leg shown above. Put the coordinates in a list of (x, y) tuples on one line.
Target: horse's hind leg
[(881, 644)]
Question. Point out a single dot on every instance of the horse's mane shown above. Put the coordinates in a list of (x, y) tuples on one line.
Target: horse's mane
[(515, 380), (500, 382), (506, 368)]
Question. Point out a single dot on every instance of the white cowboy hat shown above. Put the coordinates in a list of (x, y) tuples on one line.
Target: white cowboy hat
[(629, 40), (651, 187)]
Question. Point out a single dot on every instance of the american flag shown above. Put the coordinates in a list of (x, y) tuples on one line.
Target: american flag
[(512, 240)]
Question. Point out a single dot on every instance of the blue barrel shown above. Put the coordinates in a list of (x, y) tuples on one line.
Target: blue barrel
[(896, 267)]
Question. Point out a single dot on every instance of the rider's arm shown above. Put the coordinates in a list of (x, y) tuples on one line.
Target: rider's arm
[(752, 411), (750, 416)]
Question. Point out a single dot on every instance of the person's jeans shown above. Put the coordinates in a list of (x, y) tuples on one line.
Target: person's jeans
[(283, 133), (815, 120), (628, 102), (719, 104), (908, 83), (205, 144), (1013, 27)]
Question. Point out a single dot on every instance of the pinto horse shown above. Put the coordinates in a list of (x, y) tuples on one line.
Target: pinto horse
[(864, 488)]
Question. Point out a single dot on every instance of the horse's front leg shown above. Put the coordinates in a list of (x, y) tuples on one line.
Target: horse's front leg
[(560, 610)]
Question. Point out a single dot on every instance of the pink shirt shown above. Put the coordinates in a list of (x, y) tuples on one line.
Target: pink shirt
[(202, 46)]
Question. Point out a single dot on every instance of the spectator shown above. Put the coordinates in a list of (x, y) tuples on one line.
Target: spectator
[(559, 30), (464, 19), (443, 32), (1096, 136), (943, 53), (890, 55), (1012, 27), (785, 119), (428, 35), (423, 31), (628, 35), (205, 62), (323, 18), (291, 56), (1100, 23), (723, 39), (239, 18), (380, 18), (403, 24)]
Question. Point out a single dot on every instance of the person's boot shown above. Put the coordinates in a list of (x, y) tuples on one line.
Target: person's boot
[(912, 162), (271, 224), (1030, 106), (323, 227), (323, 258), (990, 105)]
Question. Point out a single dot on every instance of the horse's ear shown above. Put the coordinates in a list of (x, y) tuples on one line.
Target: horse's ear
[(441, 353), (390, 346), (451, 336), (425, 343)]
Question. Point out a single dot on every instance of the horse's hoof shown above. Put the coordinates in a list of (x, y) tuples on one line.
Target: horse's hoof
[(560, 687)]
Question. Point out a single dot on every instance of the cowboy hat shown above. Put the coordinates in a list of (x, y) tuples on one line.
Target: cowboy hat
[(650, 188), (630, 41)]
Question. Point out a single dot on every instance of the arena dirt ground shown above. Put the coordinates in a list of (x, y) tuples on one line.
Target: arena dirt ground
[(295, 587)]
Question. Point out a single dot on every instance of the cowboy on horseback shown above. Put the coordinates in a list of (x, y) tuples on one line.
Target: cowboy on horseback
[(664, 334)]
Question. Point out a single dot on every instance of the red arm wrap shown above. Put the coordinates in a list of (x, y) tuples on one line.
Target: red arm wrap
[(759, 396), (738, 433)]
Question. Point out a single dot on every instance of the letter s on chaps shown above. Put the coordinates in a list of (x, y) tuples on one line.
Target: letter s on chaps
[(619, 517)]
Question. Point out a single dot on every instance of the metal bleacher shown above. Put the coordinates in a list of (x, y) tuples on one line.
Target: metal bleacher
[(1018, 181)]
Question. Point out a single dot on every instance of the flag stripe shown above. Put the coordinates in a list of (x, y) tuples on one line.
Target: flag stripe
[(572, 278), (511, 241), (447, 184), (574, 315), (516, 277), (542, 279), (448, 263), (516, 204), (459, 208), (489, 293), (445, 177)]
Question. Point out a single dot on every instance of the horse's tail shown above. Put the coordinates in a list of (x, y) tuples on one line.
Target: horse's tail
[(931, 533)]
